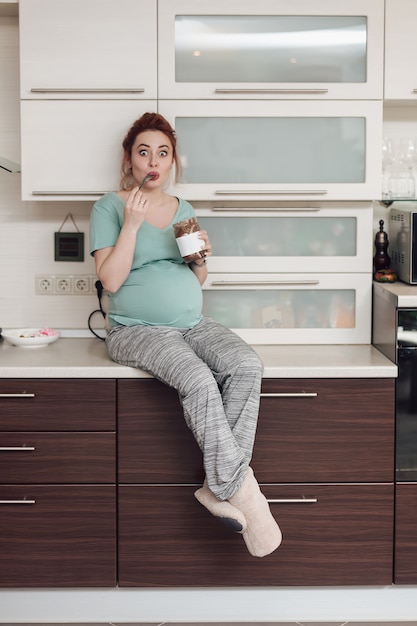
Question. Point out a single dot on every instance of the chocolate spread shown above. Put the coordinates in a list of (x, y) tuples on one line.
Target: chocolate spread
[(188, 240)]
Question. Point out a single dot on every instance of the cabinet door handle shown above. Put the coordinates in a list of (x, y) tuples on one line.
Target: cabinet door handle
[(17, 395), (228, 283), (275, 192), (76, 90), (68, 193), (299, 394), (17, 501), (290, 209), (16, 448), (271, 91), (292, 500)]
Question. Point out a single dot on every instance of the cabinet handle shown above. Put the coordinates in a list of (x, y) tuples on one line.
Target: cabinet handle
[(414, 91), (17, 395), (76, 90), (271, 91), (68, 193), (227, 283), (282, 192), (292, 500), (17, 501), (299, 394), (16, 448), (273, 208)]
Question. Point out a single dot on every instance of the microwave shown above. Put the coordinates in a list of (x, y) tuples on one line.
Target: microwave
[(403, 243)]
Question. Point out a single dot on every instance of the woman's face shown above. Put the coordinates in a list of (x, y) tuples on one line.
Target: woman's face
[(152, 154)]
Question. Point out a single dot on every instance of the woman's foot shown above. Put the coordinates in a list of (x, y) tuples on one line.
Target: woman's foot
[(262, 535), (231, 516)]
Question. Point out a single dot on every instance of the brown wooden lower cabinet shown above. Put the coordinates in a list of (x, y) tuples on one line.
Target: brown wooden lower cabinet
[(405, 559), (332, 535), (57, 536), (57, 457), (324, 449), (58, 483)]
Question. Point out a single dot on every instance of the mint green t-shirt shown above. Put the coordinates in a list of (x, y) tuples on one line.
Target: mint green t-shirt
[(161, 290)]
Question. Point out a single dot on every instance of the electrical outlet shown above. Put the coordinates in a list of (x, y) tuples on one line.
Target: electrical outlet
[(44, 284), (93, 280), (81, 285), (63, 285)]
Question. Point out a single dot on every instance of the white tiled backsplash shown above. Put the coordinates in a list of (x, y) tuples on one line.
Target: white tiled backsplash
[(27, 228)]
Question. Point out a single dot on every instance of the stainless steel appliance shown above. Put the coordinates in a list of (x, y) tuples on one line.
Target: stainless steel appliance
[(394, 333), (406, 396), (403, 241)]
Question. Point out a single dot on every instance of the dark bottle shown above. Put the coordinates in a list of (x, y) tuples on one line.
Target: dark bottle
[(381, 259)]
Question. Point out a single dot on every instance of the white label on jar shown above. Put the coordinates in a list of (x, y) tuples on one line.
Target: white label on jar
[(190, 244)]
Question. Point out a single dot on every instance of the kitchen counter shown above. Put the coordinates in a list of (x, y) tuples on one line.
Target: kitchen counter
[(87, 358), (400, 294)]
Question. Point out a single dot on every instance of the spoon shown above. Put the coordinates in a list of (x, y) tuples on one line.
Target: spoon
[(145, 180)]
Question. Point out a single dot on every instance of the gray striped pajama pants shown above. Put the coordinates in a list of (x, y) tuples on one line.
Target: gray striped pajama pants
[(218, 378)]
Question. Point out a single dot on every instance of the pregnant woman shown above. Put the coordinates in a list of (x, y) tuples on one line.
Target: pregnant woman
[(156, 325)]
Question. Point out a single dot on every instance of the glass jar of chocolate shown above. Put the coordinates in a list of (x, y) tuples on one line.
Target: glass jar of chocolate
[(188, 240)]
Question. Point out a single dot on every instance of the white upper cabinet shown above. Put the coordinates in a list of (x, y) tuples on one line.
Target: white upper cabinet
[(306, 308), (72, 149), (310, 237), (88, 48), (271, 49), (400, 50), (274, 150)]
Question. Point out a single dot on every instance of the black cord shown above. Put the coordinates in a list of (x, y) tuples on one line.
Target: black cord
[(99, 288)]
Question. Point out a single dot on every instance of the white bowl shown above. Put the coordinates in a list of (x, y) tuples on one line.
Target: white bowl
[(29, 337)]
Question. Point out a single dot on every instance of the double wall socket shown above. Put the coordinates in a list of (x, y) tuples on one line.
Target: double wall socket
[(65, 285)]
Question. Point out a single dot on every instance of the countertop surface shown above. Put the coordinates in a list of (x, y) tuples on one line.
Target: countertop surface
[(400, 294), (87, 358)]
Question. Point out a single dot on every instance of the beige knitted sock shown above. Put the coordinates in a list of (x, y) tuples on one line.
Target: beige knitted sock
[(226, 512), (262, 535)]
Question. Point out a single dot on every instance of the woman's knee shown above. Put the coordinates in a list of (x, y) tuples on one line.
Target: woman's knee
[(199, 380), (251, 363)]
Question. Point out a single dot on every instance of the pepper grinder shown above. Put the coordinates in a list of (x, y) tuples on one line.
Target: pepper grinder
[(381, 259)]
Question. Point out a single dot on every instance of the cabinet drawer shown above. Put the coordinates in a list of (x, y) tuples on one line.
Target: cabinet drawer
[(400, 51), (246, 137), (57, 405), (342, 537), (154, 443), (57, 458), (308, 308), (76, 69), (309, 431), (405, 560), (60, 536), (306, 238), (326, 430), (278, 49), (67, 174)]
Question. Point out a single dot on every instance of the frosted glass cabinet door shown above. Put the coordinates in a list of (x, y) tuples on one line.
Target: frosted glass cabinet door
[(270, 49), (88, 48), (334, 239), (292, 308), (326, 150)]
